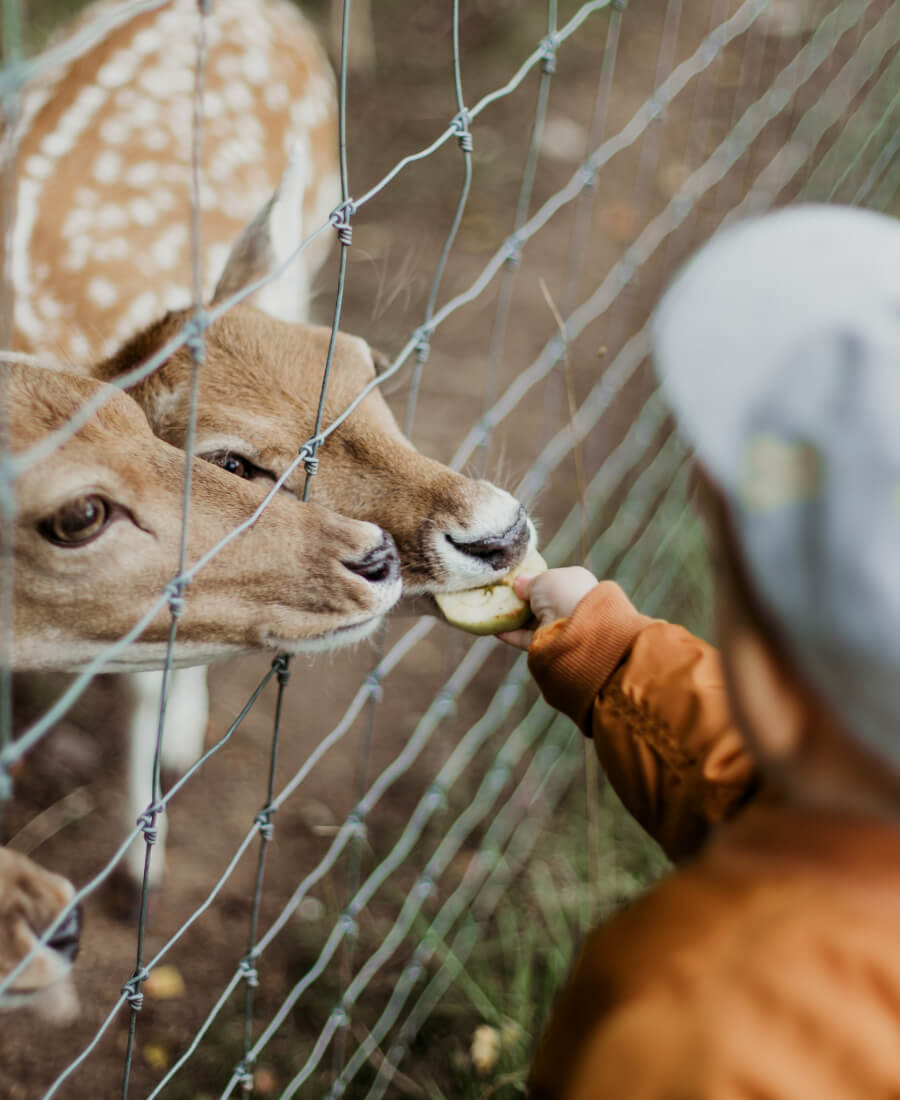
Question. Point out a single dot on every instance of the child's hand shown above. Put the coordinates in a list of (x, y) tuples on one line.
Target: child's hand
[(553, 595)]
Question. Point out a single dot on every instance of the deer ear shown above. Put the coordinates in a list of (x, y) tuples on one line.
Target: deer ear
[(381, 360), (266, 243)]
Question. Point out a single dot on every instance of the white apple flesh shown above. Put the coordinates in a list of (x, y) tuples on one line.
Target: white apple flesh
[(495, 608)]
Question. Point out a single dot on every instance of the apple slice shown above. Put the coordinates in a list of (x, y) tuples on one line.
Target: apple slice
[(495, 608)]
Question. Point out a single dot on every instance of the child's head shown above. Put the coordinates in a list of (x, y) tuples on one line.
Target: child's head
[(778, 347)]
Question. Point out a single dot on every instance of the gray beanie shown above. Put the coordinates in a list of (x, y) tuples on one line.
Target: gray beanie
[(778, 347)]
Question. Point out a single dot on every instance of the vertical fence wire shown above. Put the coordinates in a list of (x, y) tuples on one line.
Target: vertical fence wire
[(620, 322), (263, 819), (197, 345), (504, 295), (580, 235), (9, 107), (465, 140)]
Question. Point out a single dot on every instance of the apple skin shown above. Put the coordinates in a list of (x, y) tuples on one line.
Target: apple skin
[(495, 608)]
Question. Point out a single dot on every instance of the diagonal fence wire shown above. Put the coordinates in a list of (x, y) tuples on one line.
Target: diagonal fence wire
[(639, 531)]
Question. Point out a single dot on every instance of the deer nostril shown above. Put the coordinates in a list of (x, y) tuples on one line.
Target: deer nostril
[(380, 565), (67, 938), (498, 551)]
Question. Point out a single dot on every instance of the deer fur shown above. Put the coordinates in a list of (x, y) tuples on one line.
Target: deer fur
[(31, 900), (101, 242)]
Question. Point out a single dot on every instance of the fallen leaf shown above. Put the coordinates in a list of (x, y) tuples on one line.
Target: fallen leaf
[(620, 221), (164, 984), (264, 1081), (671, 177), (485, 1049), (310, 909), (156, 1056), (564, 139)]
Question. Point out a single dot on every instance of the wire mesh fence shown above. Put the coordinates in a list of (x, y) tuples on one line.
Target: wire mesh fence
[(352, 956)]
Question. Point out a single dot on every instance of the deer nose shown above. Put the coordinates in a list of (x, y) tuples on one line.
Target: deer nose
[(498, 551), (67, 938), (380, 565)]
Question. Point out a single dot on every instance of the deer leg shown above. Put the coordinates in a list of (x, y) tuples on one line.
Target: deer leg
[(187, 716), (146, 688)]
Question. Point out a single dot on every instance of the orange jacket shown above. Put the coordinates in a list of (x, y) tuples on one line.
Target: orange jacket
[(766, 968)]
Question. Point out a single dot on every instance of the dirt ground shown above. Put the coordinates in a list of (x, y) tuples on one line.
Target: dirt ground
[(75, 778)]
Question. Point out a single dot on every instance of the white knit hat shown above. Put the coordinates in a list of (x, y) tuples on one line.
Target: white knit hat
[(778, 347)]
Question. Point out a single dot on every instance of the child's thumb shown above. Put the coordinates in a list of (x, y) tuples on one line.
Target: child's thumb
[(522, 585)]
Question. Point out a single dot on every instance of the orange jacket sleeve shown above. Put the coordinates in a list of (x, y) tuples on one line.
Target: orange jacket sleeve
[(652, 697)]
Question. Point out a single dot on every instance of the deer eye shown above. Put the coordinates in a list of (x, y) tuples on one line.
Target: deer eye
[(232, 464), (78, 521)]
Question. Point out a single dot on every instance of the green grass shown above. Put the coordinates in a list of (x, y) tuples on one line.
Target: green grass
[(524, 953)]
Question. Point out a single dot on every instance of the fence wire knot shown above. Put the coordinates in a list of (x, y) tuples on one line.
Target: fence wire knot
[(132, 988), (424, 886), (248, 971), (548, 54), (147, 822), (310, 458), (514, 250), (243, 1073), (445, 702), (499, 772), (436, 797), (340, 219), (175, 595), (588, 175), (349, 924), (460, 126), (282, 666), (373, 684), (357, 824), (423, 345), (196, 329), (263, 822)]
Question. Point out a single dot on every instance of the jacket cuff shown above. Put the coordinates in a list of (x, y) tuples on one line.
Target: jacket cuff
[(572, 659)]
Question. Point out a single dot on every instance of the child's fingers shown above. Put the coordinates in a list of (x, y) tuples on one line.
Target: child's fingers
[(556, 593), (521, 639), (522, 585)]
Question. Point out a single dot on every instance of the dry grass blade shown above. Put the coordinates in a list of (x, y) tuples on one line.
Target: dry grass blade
[(591, 767), (75, 806)]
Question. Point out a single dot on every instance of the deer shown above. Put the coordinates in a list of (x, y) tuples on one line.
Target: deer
[(32, 900), (270, 175), (97, 534)]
